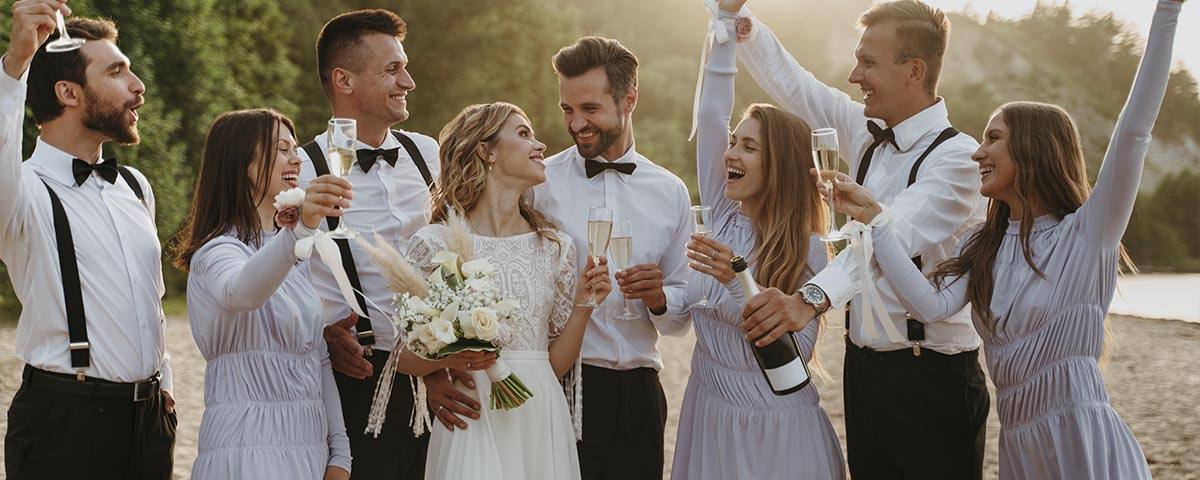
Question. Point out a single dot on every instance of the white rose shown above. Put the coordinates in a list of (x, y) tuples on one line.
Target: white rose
[(478, 268), (487, 325), (467, 325), (504, 334), (426, 335), (292, 197), (443, 331)]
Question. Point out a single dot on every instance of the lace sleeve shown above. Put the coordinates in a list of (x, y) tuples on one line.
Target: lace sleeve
[(564, 285), (423, 245)]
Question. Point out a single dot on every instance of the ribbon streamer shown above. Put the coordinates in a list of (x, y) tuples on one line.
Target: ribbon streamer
[(716, 30), (874, 315), (327, 249)]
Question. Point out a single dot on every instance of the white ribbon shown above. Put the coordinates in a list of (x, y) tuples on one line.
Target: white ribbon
[(874, 314), (716, 30), (327, 249)]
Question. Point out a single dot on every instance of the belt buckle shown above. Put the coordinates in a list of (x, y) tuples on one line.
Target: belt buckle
[(137, 390)]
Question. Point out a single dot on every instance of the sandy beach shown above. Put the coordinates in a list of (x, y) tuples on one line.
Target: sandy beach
[(1153, 379)]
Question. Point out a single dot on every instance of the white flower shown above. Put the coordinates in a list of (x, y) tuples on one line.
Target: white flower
[(478, 284), (436, 279), (426, 336), (292, 197), (467, 326), (443, 330), (417, 305), (478, 268), (448, 261), (487, 325), (506, 307), (504, 334)]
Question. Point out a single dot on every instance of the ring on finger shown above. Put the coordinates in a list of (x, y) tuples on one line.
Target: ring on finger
[(439, 409)]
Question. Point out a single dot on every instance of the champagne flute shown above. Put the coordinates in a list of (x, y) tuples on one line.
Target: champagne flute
[(64, 42), (599, 232), (825, 158), (700, 227), (621, 249), (341, 138)]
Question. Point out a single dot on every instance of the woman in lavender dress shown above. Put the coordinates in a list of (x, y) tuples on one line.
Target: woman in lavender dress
[(764, 208), (1040, 274)]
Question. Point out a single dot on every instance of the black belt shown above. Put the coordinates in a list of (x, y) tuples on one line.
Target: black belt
[(905, 355), (91, 387)]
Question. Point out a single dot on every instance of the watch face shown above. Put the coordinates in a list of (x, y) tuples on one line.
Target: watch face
[(814, 295)]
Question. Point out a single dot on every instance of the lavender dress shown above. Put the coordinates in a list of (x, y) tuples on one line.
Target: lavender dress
[(1043, 346), (731, 425)]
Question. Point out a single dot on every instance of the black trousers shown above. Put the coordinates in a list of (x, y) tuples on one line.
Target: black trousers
[(56, 435), (397, 454), (914, 417), (624, 417)]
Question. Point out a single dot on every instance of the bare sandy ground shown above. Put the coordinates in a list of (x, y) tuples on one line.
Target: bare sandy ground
[(1153, 379)]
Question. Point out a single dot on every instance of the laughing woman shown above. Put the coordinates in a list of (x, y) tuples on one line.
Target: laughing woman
[(271, 405), (1040, 273), (766, 209)]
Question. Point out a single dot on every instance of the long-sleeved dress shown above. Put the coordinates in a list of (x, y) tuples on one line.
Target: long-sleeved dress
[(1044, 344), (271, 405), (731, 424)]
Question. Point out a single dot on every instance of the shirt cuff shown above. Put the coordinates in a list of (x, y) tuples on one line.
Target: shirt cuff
[(167, 382), (837, 285), (12, 92), (302, 231)]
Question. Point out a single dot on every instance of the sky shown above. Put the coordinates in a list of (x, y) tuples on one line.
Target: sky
[(1138, 12)]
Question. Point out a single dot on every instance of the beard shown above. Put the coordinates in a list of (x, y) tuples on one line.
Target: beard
[(109, 120), (605, 139)]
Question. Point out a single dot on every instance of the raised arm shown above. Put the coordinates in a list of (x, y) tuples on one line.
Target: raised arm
[(1106, 213), (917, 293), (239, 281), (712, 120)]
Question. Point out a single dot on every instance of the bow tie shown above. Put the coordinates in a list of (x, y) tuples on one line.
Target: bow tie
[(594, 168), (368, 157), (882, 135), (82, 170)]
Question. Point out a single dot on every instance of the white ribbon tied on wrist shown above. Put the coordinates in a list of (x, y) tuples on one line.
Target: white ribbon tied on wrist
[(327, 249), (716, 30), (874, 315)]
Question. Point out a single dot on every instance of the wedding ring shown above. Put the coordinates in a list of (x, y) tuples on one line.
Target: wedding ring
[(439, 410), (469, 365)]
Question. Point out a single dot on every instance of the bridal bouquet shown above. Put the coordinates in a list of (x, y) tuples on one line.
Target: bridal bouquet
[(455, 308)]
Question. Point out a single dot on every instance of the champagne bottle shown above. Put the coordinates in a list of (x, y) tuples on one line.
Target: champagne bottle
[(780, 362)]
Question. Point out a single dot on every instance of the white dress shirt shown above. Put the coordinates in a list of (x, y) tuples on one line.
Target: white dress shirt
[(656, 204), (116, 247), (390, 201), (928, 218)]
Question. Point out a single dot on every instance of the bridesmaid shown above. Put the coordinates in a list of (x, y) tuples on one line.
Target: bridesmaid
[(1040, 274), (271, 406), (766, 209)]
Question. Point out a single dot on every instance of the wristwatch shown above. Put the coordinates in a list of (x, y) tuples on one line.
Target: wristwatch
[(813, 295)]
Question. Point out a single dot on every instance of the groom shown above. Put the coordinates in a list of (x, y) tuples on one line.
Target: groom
[(624, 407)]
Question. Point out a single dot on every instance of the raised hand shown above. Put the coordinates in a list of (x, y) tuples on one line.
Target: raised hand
[(711, 258), (850, 198), (594, 282), (321, 197), (33, 22)]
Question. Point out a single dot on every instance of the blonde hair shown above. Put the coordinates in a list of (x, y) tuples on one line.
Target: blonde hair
[(922, 32), (464, 172)]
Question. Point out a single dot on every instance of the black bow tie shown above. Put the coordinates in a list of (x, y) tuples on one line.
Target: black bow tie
[(82, 170), (594, 168), (881, 135), (368, 157)]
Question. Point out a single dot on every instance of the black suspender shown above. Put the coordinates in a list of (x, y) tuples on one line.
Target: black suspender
[(366, 334), (79, 345), (916, 329)]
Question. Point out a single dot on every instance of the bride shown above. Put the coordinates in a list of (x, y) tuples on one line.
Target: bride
[(490, 159)]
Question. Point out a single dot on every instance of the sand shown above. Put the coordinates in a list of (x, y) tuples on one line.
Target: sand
[(1153, 379)]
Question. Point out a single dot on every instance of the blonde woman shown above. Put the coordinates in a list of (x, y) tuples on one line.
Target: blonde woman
[(490, 158)]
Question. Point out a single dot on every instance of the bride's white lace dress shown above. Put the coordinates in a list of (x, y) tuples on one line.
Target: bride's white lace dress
[(537, 439)]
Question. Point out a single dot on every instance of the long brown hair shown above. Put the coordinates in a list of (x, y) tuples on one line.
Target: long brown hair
[(1045, 147), (225, 198), (464, 170), (789, 208)]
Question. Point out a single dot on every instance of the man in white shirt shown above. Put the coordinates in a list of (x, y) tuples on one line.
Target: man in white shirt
[(916, 402), (78, 236), (363, 70), (624, 407)]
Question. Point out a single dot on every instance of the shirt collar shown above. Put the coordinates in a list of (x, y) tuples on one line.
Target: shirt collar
[(915, 127), (53, 162), (389, 141)]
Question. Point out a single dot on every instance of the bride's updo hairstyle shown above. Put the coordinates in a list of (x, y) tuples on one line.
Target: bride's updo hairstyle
[(464, 170)]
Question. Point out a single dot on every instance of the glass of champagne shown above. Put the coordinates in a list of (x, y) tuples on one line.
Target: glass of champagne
[(825, 158), (64, 43), (621, 249), (700, 227), (599, 232), (340, 140)]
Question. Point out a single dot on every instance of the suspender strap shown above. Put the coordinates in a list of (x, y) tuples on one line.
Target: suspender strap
[(72, 292), (865, 164), (366, 336), (127, 174), (946, 134)]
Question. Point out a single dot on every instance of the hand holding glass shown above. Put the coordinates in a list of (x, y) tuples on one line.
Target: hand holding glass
[(599, 232), (621, 249), (341, 138), (825, 159), (700, 226), (64, 42)]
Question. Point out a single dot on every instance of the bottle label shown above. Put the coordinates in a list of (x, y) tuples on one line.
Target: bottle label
[(787, 376)]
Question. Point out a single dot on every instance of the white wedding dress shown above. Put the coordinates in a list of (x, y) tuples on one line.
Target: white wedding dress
[(537, 439)]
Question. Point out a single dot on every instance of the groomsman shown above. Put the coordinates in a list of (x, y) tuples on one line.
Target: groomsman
[(915, 407), (364, 72), (624, 407), (77, 233)]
